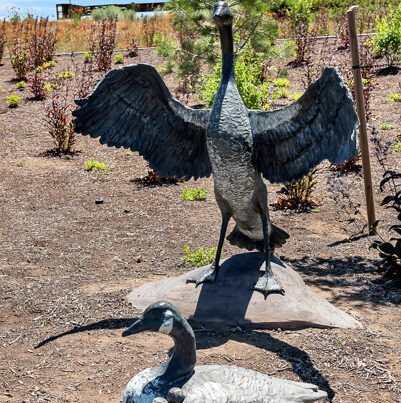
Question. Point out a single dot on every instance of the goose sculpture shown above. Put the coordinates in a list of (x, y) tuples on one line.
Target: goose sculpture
[(181, 380), (131, 107)]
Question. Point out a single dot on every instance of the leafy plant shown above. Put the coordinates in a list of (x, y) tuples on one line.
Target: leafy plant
[(118, 59), (21, 85), (59, 124), (390, 251), (92, 165), (281, 82), (21, 164), (200, 257), (13, 100), (20, 65), (37, 86), (102, 43), (66, 74), (297, 195), (87, 57), (296, 95), (252, 84), (38, 69), (394, 97), (388, 40), (193, 194), (50, 64), (385, 126), (1, 88)]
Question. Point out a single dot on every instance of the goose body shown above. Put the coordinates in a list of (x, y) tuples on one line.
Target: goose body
[(132, 107), (203, 383)]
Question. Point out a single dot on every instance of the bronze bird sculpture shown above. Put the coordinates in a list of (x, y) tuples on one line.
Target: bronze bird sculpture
[(131, 107), (181, 380)]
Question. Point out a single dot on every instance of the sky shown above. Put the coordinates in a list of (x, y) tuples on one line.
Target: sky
[(47, 8)]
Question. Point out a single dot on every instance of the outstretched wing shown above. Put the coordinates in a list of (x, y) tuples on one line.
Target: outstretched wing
[(132, 107), (290, 142)]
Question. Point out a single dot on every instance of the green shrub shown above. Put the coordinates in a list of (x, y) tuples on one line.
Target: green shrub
[(107, 13), (395, 97), (296, 95), (200, 257), (193, 194), (21, 85), (129, 15), (248, 73), (388, 40), (280, 93), (92, 165), (66, 74), (118, 59), (281, 82), (13, 100)]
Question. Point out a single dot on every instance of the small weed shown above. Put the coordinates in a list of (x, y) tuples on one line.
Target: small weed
[(2, 236), (118, 59), (296, 95), (280, 93), (395, 97), (200, 257), (1, 88), (87, 57), (128, 153), (21, 164), (281, 82), (50, 64), (385, 126), (28, 133), (189, 194), (92, 165), (38, 69), (397, 146), (13, 100), (66, 74), (21, 85)]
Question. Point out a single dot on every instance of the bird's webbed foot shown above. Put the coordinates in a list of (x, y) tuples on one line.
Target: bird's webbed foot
[(268, 284), (209, 275)]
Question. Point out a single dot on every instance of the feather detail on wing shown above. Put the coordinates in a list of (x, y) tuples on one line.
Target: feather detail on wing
[(131, 107), (290, 142)]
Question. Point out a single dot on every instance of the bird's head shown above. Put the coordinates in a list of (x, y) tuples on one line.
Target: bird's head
[(222, 14), (158, 317)]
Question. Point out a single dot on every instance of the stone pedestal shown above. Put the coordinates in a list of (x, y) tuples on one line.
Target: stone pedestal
[(231, 302)]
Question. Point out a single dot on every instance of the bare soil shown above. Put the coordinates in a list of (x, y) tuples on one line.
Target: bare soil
[(67, 265)]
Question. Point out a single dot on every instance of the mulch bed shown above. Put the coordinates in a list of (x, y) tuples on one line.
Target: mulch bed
[(67, 264)]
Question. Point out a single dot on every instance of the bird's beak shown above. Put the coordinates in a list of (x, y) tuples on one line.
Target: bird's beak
[(139, 326)]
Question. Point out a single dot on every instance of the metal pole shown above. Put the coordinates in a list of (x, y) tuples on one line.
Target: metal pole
[(363, 138)]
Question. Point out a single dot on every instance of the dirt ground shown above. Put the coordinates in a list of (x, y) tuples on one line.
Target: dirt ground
[(67, 265)]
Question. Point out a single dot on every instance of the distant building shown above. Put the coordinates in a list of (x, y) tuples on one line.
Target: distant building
[(66, 10)]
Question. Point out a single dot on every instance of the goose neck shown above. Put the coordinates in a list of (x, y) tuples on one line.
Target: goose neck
[(227, 49), (183, 359)]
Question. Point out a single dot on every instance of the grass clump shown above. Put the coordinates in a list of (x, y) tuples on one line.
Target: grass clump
[(199, 257), (13, 100), (92, 165), (385, 126), (281, 82), (189, 194)]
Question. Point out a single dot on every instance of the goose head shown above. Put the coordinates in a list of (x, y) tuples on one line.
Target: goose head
[(222, 14), (162, 317)]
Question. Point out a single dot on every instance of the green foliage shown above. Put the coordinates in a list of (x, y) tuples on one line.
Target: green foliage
[(385, 126), (21, 85), (21, 164), (128, 153), (397, 146), (118, 59), (20, 64), (50, 64), (200, 257), (388, 41), (13, 100), (253, 88), (49, 87), (296, 95), (197, 38), (92, 165), (193, 194), (281, 82), (66, 74), (1, 88), (297, 195), (280, 93), (87, 57), (113, 13), (38, 69), (395, 97)]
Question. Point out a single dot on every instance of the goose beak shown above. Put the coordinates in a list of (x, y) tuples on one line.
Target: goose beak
[(139, 326)]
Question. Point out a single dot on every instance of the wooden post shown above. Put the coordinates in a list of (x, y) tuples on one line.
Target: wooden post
[(363, 138)]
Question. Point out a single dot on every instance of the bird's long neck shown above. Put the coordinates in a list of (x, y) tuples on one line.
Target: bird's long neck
[(183, 359), (227, 48)]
